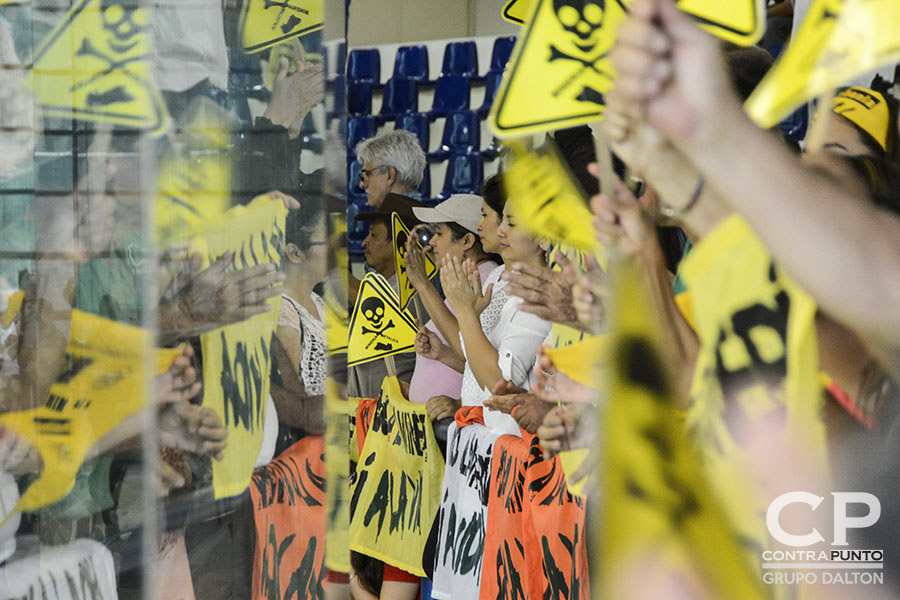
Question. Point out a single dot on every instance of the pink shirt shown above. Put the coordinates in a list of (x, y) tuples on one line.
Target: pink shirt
[(433, 378)]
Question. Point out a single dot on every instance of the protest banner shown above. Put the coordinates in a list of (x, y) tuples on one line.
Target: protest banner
[(398, 483), (288, 497), (237, 359), (82, 570)]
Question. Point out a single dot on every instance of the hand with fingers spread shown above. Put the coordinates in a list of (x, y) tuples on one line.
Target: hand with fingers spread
[(200, 301), (193, 428), (415, 263), (546, 293), (179, 383), (295, 94), (441, 407)]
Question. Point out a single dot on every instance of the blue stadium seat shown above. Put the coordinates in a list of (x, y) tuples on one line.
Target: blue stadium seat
[(460, 58), (400, 96), (353, 169), (358, 129), (503, 47), (795, 125), (491, 85), (416, 123), (364, 66), (359, 98), (451, 94), (462, 134), (464, 175), (425, 186), (411, 62)]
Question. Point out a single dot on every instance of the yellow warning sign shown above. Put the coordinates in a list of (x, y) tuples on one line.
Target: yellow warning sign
[(837, 41), (545, 198), (517, 11), (400, 234), (102, 384), (265, 23), (560, 67), (95, 66), (378, 326)]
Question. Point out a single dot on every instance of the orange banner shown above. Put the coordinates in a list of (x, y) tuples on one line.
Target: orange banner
[(288, 498)]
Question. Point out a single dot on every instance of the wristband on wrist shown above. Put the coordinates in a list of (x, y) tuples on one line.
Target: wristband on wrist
[(676, 213)]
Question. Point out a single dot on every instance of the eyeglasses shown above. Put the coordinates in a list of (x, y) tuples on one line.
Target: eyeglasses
[(364, 173)]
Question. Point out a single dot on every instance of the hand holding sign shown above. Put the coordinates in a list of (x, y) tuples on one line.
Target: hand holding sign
[(670, 71), (546, 293)]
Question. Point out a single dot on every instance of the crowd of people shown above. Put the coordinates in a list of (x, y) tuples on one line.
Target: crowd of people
[(766, 265)]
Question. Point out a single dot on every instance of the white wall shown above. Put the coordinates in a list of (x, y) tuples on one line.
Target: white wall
[(376, 22)]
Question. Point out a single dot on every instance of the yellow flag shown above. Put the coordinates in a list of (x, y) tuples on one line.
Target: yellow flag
[(378, 326), (546, 199), (400, 234), (265, 23), (656, 503), (837, 41), (336, 315), (95, 65), (398, 484), (517, 11), (102, 385), (237, 359), (194, 181), (560, 68)]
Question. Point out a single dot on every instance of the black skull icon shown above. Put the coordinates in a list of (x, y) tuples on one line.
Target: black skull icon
[(373, 310), (123, 24), (582, 21)]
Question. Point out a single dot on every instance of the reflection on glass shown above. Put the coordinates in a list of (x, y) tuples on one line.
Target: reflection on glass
[(163, 253)]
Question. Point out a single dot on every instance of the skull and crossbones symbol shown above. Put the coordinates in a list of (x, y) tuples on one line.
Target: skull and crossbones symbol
[(124, 28), (292, 21), (582, 20), (373, 311)]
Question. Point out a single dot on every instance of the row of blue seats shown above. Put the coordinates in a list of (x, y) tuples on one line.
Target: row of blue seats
[(462, 133), (411, 62), (465, 173), (451, 94)]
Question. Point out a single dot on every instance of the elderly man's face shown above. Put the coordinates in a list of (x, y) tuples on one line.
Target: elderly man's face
[(376, 180)]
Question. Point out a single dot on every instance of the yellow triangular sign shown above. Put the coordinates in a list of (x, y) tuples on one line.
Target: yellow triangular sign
[(560, 68), (657, 502), (103, 383), (837, 41), (265, 23), (517, 11), (400, 234), (95, 66), (378, 326), (546, 199)]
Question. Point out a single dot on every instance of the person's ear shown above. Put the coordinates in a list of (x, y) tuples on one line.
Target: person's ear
[(468, 241), (391, 176), (293, 253)]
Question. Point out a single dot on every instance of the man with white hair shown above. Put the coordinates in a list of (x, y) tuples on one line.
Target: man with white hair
[(393, 162)]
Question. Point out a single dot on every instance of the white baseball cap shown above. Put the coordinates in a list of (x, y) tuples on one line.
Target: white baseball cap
[(462, 209)]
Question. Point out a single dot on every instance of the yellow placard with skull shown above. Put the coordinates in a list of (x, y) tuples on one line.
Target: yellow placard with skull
[(95, 66), (265, 23), (560, 67), (378, 326), (400, 233)]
